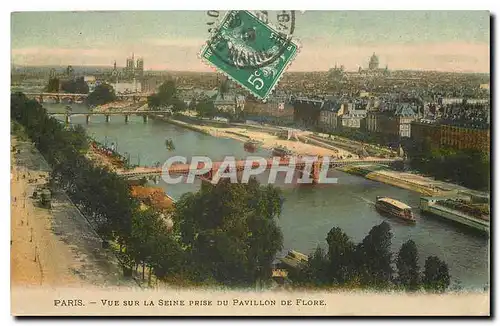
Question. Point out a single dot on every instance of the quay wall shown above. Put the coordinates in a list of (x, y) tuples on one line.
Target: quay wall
[(456, 216)]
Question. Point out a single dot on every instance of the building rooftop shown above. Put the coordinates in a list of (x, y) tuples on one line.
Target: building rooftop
[(405, 110)]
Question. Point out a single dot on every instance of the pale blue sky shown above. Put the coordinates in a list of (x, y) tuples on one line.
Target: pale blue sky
[(437, 40)]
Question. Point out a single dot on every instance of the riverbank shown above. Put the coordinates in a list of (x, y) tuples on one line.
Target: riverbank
[(120, 106), (424, 185), (148, 195), (266, 140)]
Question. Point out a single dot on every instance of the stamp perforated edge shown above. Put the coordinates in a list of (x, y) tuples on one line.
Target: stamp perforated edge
[(219, 70)]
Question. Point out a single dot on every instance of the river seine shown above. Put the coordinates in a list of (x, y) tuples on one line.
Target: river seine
[(309, 212)]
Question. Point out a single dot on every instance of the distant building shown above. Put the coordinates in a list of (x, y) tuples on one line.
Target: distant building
[(70, 72), (133, 69), (230, 103), (140, 68), (465, 138), (127, 87), (53, 73), (330, 115), (393, 120), (306, 111), (91, 82), (426, 130), (373, 69), (337, 74), (150, 84), (354, 113), (405, 114), (460, 100), (444, 135), (277, 109), (373, 65), (89, 79), (129, 68), (371, 122)]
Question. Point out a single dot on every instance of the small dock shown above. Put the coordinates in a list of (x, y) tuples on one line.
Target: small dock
[(294, 259)]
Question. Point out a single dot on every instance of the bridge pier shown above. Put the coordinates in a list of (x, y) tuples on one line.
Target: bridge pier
[(126, 118), (315, 172), (107, 117), (145, 118), (87, 118), (300, 171), (58, 99)]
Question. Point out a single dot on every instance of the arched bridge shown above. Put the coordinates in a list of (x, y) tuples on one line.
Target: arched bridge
[(183, 169), (126, 114), (76, 98)]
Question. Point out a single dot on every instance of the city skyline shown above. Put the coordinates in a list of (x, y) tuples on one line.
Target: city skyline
[(406, 40)]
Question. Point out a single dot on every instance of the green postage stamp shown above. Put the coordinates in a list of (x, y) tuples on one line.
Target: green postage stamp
[(250, 51)]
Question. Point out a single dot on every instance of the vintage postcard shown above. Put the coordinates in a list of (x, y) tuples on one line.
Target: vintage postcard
[(250, 163)]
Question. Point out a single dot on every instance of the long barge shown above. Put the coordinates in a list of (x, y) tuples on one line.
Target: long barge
[(394, 208), (432, 206)]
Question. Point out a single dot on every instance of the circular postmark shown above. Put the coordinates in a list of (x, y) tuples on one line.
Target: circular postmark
[(250, 40)]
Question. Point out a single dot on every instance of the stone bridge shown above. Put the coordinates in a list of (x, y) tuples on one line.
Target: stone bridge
[(126, 114), (183, 169), (79, 98)]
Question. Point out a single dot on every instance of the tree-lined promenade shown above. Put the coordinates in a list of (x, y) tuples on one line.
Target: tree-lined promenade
[(236, 248), (225, 234)]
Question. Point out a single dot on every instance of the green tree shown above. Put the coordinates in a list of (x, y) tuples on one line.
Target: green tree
[(154, 102), (436, 275), (146, 225), (206, 109), (341, 256), (168, 257), (78, 139), (373, 257), (166, 97), (468, 167), (53, 85), (167, 91), (407, 266), (229, 230), (315, 272), (178, 105), (102, 94), (75, 86)]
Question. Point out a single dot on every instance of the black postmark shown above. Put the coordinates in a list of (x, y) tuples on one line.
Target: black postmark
[(283, 22)]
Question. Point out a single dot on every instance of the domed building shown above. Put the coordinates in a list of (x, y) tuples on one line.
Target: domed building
[(373, 68), (373, 65)]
